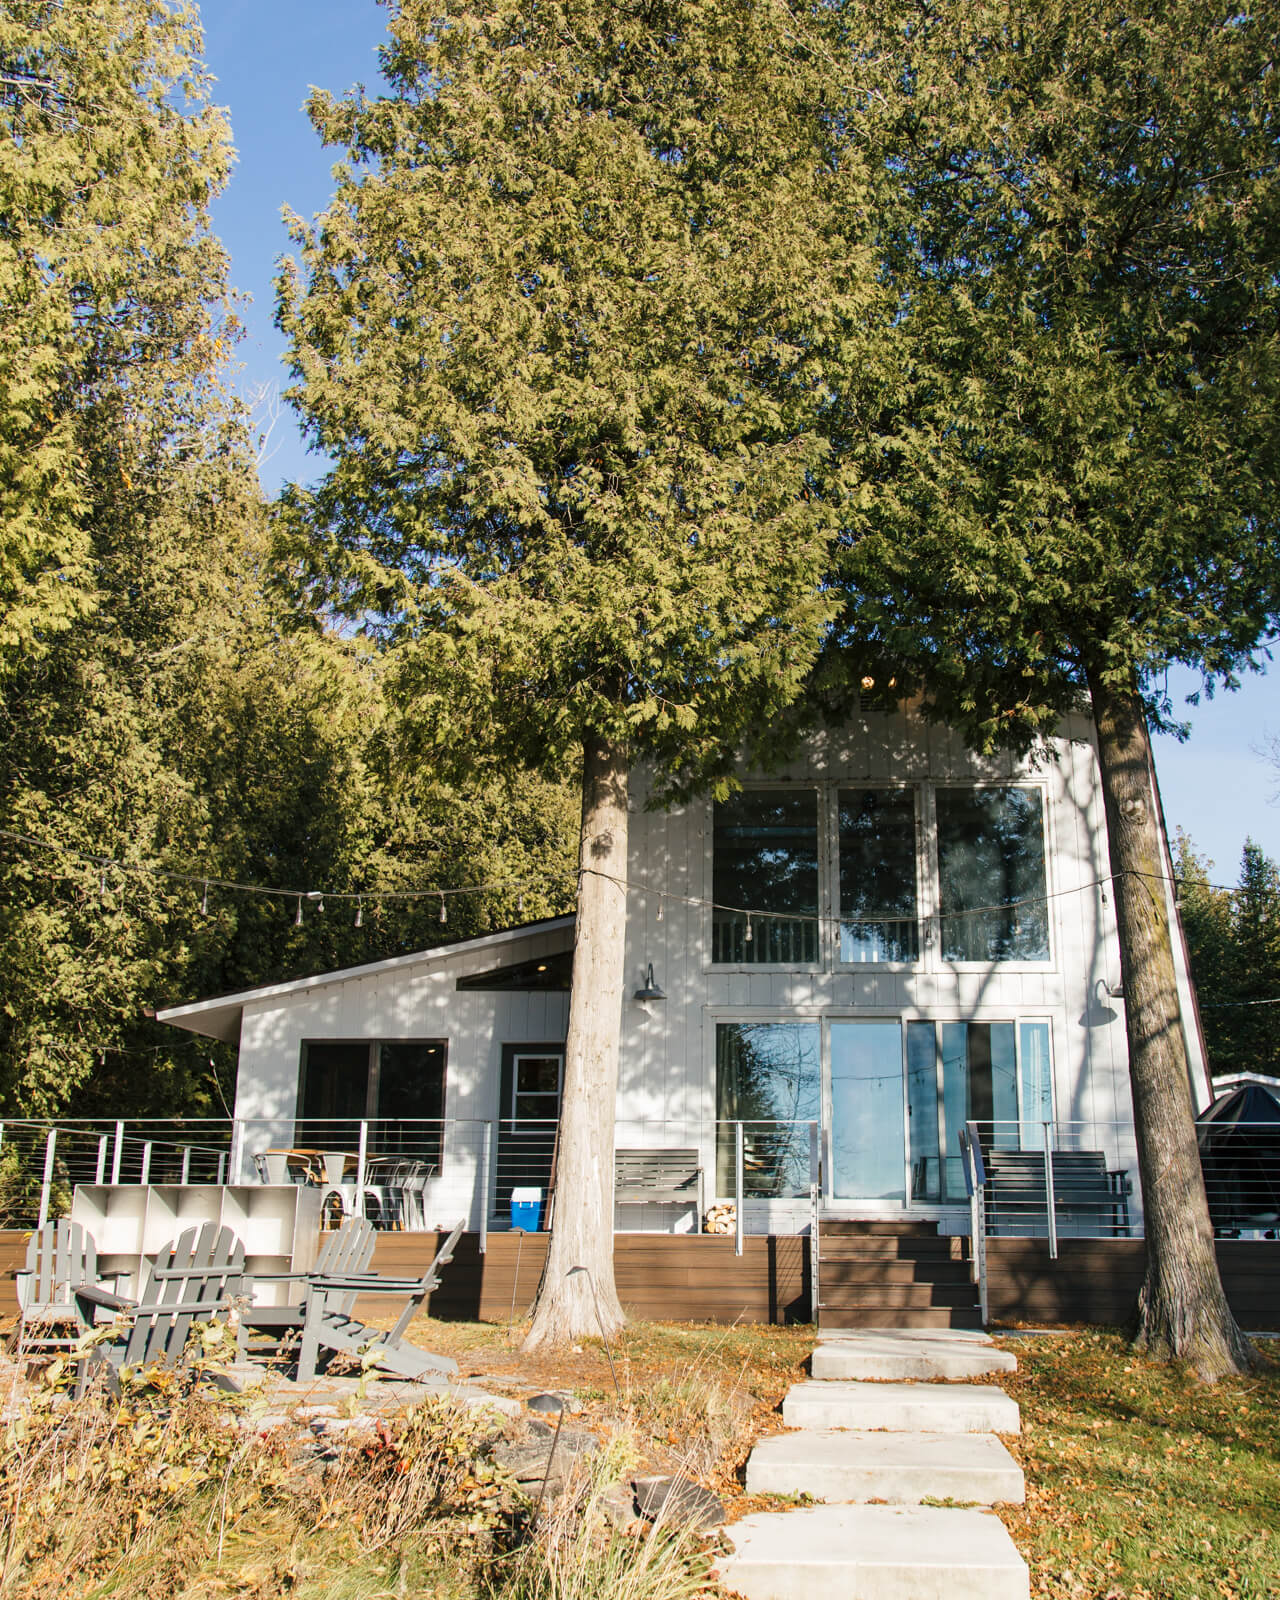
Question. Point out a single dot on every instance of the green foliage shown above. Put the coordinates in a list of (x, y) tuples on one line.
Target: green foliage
[(1083, 481), (570, 331), (159, 704), (1234, 941), (109, 156)]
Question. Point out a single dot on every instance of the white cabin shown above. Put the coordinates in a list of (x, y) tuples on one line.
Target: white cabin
[(855, 956)]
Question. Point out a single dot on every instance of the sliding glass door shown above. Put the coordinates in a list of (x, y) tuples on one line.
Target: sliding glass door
[(867, 1129)]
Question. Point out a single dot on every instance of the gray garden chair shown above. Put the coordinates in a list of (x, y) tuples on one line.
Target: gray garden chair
[(348, 1249), (61, 1259), (329, 1324), (197, 1276)]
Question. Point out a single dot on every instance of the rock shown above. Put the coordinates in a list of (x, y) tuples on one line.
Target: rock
[(307, 1413), (332, 1425), (680, 1503), (267, 1424), (618, 1506), (526, 1459)]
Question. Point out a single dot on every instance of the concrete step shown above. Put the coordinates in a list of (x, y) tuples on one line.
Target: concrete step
[(901, 1407), (836, 1316), (904, 1468), (873, 1553), (898, 1355)]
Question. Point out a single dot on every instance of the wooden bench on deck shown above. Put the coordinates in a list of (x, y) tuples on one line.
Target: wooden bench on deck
[(658, 1178)]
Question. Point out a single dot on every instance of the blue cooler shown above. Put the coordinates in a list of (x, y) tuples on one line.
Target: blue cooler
[(526, 1209)]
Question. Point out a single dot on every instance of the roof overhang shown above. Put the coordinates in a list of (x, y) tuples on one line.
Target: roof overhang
[(221, 1018)]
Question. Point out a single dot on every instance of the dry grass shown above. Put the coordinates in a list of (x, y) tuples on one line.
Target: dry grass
[(1142, 1482)]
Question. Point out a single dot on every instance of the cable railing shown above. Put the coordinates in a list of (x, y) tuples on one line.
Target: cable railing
[(421, 1174), (1054, 1180)]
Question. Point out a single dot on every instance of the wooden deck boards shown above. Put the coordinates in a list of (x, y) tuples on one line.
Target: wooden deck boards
[(698, 1277)]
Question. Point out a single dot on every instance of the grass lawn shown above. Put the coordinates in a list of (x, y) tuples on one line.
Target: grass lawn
[(1142, 1484)]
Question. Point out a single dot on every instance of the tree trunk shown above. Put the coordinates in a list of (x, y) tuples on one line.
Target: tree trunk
[(1182, 1309), (582, 1222)]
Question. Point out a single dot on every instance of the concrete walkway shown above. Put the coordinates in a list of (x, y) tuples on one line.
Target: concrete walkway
[(874, 1435)]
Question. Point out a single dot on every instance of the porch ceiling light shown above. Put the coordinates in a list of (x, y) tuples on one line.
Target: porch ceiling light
[(650, 989)]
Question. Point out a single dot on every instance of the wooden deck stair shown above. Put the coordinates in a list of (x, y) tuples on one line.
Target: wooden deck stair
[(894, 1275)]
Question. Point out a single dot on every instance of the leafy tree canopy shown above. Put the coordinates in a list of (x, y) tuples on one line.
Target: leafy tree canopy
[(111, 287), (569, 331), (1085, 247)]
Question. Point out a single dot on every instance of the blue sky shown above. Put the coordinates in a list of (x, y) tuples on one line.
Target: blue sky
[(267, 53)]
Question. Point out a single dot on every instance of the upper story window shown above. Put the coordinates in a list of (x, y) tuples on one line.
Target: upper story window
[(991, 874), (878, 908), (876, 866), (765, 867)]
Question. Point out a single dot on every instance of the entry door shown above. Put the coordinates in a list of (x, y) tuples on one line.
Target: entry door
[(868, 1119), (532, 1079)]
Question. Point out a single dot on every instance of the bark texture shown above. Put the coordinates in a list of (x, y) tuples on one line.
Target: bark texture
[(582, 1221), (1182, 1309)]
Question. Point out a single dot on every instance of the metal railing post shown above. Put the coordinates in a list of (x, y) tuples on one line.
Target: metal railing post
[(815, 1208), (361, 1157), (146, 1162), (1049, 1200), (484, 1186), (738, 1187), (186, 1164), (222, 1167), (46, 1183), (117, 1153), (235, 1158), (975, 1180), (99, 1172)]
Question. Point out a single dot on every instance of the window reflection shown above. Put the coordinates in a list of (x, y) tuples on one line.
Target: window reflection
[(991, 854), (765, 860), (768, 1076), (878, 875)]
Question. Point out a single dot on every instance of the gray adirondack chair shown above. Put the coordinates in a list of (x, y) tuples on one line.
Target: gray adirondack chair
[(61, 1258), (349, 1249), (196, 1276), (329, 1324)]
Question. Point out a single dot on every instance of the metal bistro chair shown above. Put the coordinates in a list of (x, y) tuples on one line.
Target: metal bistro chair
[(417, 1178), (384, 1185)]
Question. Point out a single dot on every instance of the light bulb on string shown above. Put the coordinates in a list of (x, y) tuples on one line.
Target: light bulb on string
[(748, 935), (204, 904), (359, 913), (661, 904), (297, 916), (444, 912), (318, 896)]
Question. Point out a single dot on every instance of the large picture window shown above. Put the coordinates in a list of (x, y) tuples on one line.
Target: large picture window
[(396, 1085), (878, 875), (769, 1079), (765, 878), (992, 875)]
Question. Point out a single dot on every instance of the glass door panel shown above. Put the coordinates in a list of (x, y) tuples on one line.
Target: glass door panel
[(1037, 1082), (867, 1115), (922, 1110), (979, 1082)]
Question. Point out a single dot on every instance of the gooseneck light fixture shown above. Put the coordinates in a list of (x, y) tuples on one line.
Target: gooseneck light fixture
[(649, 990)]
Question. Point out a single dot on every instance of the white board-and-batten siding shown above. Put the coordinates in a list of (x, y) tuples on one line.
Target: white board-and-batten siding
[(668, 1048), (667, 1087)]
